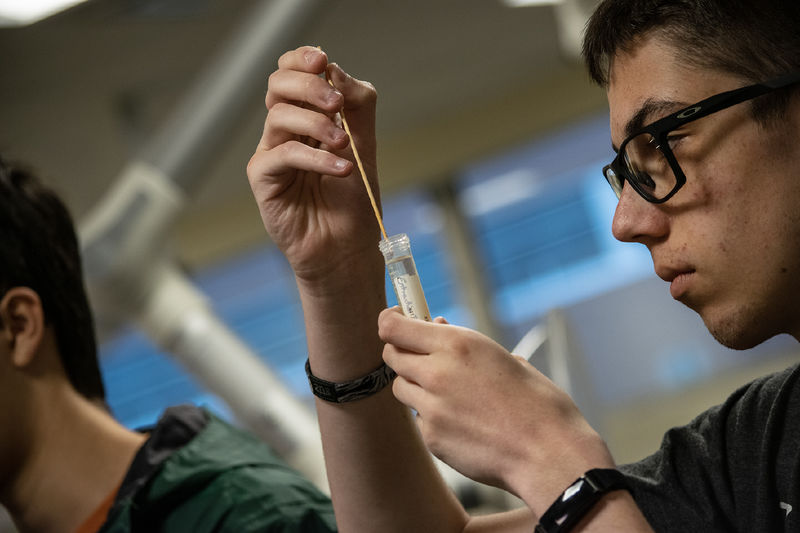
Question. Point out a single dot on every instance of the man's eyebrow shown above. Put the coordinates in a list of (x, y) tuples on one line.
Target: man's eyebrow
[(651, 110)]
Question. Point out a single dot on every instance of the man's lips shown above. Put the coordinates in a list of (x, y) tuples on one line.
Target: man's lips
[(680, 284), (679, 279)]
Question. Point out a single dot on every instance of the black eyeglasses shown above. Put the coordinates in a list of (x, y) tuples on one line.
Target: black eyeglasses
[(645, 159)]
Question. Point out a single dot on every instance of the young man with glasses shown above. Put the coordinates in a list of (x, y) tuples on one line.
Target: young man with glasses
[(705, 116)]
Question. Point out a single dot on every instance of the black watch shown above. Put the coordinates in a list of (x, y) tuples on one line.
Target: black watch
[(575, 502)]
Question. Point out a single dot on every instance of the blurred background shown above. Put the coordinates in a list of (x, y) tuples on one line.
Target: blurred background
[(142, 114)]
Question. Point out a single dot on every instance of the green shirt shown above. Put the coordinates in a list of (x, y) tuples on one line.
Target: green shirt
[(198, 474)]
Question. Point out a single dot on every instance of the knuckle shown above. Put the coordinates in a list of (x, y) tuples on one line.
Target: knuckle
[(388, 353), (277, 109), (322, 121), (320, 157), (315, 122), (435, 378), (273, 118), (396, 387), (272, 82), (270, 121), (460, 346), (308, 84), (287, 150), (250, 169), (370, 93), (386, 326), (285, 56)]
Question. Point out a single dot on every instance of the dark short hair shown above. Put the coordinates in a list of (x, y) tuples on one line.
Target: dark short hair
[(752, 39), (39, 250)]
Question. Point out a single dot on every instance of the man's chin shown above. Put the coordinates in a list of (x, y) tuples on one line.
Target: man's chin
[(734, 342), (735, 330)]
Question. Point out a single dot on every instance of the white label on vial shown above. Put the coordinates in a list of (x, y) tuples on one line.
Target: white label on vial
[(410, 297), (408, 288)]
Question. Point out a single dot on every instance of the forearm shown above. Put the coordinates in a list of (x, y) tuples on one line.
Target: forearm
[(340, 312), (381, 475)]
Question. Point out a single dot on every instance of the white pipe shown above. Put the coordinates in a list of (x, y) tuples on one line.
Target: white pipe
[(178, 318)]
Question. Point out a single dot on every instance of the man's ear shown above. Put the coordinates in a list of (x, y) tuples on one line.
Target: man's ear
[(21, 324)]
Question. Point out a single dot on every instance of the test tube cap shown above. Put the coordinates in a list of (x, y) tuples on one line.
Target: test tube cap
[(395, 246)]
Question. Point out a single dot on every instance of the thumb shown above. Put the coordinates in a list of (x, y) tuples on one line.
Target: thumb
[(357, 94)]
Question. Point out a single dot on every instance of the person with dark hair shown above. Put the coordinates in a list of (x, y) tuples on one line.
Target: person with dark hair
[(705, 117), (66, 465)]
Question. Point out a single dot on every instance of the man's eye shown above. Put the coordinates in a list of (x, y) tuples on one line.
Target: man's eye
[(645, 180), (673, 141)]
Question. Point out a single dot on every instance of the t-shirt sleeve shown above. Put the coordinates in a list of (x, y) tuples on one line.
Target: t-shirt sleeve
[(721, 472), (684, 482)]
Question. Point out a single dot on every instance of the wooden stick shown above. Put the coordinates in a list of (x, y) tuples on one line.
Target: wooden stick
[(360, 166)]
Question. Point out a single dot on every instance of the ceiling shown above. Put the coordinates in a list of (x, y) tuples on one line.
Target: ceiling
[(81, 93)]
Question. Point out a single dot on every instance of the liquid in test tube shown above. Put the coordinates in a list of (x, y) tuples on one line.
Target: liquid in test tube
[(403, 273)]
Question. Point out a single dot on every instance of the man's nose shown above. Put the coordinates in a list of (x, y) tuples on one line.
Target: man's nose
[(637, 220)]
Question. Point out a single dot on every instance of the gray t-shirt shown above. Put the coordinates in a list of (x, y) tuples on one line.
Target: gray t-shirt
[(735, 467)]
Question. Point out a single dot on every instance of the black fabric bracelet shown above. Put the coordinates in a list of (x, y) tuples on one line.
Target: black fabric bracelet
[(349, 391), (579, 498)]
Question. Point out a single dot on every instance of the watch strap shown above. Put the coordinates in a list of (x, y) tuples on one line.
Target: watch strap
[(348, 391), (579, 498)]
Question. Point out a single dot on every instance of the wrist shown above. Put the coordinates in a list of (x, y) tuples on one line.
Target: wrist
[(552, 467), (580, 500), (350, 390), (338, 280), (341, 317), (616, 511)]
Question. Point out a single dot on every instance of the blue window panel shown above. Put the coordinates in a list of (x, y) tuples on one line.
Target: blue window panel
[(255, 295), (539, 241), (585, 143), (537, 236), (141, 381), (541, 216)]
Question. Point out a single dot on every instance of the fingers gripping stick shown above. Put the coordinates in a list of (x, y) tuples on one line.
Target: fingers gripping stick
[(358, 162), (396, 249)]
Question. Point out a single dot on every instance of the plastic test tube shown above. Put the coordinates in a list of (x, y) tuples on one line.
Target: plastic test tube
[(403, 273)]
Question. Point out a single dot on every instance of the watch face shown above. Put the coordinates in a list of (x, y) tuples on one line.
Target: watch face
[(579, 497), (572, 490)]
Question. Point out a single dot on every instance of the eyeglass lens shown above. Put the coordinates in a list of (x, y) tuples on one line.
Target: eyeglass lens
[(647, 167)]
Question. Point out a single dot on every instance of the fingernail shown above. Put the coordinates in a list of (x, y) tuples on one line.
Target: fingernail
[(310, 56), (333, 96), (338, 135), (340, 164)]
